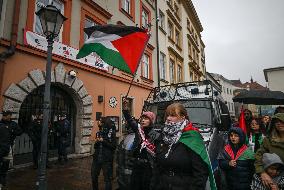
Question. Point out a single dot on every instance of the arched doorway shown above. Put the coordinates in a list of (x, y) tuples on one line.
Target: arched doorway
[(61, 103)]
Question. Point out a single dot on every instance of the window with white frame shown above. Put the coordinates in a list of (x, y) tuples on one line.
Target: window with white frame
[(88, 23), (162, 66), (172, 71), (179, 73), (161, 19), (126, 6), (146, 66), (145, 18), (42, 3)]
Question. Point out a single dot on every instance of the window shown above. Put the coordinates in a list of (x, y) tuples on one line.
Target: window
[(178, 38), (172, 71), (190, 76), (161, 19), (146, 66), (188, 23), (171, 30), (176, 9), (189, 49), (179, 73), (193, 54), (227, 90), (145, 18), (88, 23), (162, 66), (126, 6), (42, 3)]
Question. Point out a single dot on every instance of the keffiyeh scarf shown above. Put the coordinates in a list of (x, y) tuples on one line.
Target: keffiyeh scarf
[(172, 132)]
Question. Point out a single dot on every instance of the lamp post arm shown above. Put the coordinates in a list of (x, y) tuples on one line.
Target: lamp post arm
[(46, 111)]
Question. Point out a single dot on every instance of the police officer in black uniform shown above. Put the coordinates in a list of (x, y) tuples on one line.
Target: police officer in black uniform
[(62, 129), (8, 132), (34, 132), (104, 152)]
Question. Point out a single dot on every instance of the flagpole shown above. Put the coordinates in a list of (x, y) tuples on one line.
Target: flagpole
[(148, 37)]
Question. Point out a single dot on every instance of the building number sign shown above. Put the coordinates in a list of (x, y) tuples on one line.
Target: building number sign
[(112, 102)]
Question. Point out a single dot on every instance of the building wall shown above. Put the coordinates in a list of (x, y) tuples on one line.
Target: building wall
[(95, 82), (275, 80), (180, 54)]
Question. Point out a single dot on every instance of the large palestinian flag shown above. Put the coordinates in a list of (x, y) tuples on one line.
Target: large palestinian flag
[(119, 46)]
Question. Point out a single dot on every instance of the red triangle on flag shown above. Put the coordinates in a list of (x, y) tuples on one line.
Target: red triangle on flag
[(131, 48)]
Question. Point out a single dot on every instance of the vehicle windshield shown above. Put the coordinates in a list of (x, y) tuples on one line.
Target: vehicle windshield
[(199, 111)]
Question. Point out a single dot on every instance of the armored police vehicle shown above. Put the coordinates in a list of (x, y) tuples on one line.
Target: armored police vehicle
[(206, 110)]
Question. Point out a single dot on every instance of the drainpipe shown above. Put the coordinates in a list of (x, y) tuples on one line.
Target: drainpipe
[(14, 34), (157, 42)]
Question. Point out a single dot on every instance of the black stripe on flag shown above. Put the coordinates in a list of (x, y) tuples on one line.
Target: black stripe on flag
[(113, 29)]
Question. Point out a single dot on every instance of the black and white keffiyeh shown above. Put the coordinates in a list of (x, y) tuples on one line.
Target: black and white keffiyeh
[(172, 132)]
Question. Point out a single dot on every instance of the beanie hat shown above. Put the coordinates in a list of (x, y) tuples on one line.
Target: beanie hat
[(279, 116), (270, 159), (150, 115)]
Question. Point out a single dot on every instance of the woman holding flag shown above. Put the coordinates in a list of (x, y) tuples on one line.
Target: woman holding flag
[(143, 147), (182, 159)]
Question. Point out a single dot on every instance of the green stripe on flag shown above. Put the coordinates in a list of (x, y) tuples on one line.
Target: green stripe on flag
[(109, 56)]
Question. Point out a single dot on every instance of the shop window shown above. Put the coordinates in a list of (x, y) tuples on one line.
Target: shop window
[(161, 19), (42, 3), (162, 66)]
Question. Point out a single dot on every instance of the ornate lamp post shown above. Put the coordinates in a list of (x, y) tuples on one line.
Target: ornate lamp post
[(51, 21)]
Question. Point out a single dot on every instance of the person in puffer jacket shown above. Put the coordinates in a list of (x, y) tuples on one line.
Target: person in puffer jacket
[(237, 161)]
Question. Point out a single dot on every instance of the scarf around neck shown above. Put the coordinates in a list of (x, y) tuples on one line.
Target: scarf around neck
[(172, 133)]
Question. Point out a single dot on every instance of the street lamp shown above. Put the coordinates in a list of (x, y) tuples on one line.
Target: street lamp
[(51, 21)]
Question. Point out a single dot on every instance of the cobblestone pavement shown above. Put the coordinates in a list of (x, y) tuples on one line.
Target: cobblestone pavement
[(75, 175)]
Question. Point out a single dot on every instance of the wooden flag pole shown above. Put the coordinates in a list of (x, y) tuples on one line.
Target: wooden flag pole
[(148, 37)]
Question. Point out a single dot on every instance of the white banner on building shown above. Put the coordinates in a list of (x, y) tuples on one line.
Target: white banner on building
[(40, 42)]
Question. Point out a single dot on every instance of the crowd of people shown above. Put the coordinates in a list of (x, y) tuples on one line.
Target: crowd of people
[(173, 157), (9, 130)]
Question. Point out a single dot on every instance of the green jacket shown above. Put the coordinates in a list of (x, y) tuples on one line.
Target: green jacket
[(270, 145)]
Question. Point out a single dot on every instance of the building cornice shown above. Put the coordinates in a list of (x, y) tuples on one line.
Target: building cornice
[(191, 9)]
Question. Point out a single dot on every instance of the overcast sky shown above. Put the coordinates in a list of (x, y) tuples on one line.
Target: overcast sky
[(242, 37)]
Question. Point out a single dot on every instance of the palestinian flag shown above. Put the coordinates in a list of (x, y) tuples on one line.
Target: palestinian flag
[(119, 46)]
